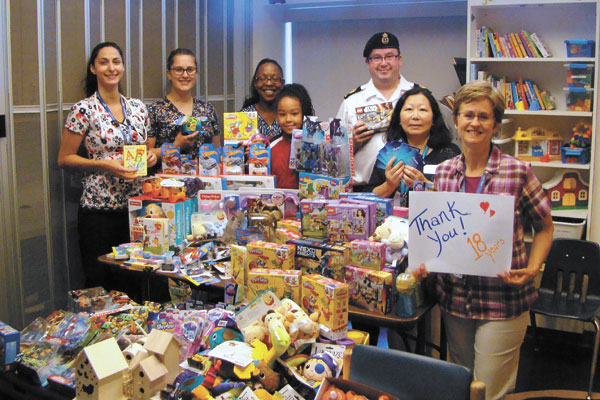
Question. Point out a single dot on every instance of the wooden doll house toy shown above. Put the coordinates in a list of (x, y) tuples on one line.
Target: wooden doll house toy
[(537, 144), (99, 372), (567, 190)]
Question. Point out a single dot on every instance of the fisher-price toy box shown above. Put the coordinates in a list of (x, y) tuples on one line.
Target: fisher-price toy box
[(261, 254), (367, 254), (145, 206), (328, 297), (314, 256), (346, 222), (368, 289), (313, 186), (9, 344), (283, 283), (314, 218)]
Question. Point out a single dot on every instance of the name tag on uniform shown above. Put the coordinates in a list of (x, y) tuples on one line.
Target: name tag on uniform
[(429, 169)]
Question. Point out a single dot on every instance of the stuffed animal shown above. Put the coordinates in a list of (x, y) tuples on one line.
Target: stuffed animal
[(263, 377), (318, 367), (256, 331), (396, 248), (153, 210), (381, 232)]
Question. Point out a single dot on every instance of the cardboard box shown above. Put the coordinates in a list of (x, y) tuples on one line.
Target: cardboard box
[(284, 284), (385, 206), (143, 206), (9, 344), (328, 297), (367, 254), (314, 256), (313, 186), (234, 182), (368, 289), (314, 218), (346, 222), (270, 255)]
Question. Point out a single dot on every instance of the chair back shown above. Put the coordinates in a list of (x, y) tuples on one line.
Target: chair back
[(572, 270), (409, 376)]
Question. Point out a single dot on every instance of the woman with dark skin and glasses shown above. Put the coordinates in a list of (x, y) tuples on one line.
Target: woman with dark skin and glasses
[(267, 82), (104, 121), (178, 103)]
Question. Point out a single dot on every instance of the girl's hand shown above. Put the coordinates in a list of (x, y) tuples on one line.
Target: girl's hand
[(185, 142), (519, 277), (411, 174), (151, 159), (116, 167), (393, 173)]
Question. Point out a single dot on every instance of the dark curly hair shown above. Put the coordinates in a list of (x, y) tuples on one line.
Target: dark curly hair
[(254, 98), (299, 92), (439, 135), (91, 81)]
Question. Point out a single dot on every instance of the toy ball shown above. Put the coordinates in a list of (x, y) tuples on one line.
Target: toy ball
[(191, 125)]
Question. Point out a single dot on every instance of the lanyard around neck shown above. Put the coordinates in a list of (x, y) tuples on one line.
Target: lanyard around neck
[(122, 127)]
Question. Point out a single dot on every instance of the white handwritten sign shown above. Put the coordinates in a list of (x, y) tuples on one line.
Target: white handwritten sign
[(461, 233)]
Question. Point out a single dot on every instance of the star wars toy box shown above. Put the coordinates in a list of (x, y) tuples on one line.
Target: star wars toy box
[(270, 255), (328, 297), (314, 256), (313, 186), (368, 289), (375, 116), (147, 207), (367, 254), (314, 218), (385, 206), (9, 345), (346, 222), (240, 126), (283, 283)]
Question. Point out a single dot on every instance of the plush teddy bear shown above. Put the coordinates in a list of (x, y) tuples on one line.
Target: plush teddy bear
[(396, 248), (382, 232)]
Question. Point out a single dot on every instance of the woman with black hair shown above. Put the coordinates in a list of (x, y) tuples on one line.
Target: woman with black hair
[(416, 120), (166, 113), (267, 82), (104, 121)]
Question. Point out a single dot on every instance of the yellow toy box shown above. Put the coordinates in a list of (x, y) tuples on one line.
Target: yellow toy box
[(328, 297), (284, 235), (270, 255), (240, 125), (239, 267), (368, 289), (291, 224), (284, 284)]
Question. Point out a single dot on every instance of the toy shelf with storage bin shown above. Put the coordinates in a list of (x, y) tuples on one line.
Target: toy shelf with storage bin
[(569, 31)]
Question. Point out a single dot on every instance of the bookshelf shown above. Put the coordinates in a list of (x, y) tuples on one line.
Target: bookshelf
[(553, 21)]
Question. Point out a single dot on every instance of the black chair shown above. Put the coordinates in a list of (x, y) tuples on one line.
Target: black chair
[(570, 288), (410, 376)]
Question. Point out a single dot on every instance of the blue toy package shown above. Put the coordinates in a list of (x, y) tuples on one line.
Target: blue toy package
[(188, 164), (259, 161), (296, 148), (233, 160), (9, 344), (209, 160)]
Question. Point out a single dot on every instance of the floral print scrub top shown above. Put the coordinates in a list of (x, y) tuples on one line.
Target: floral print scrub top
[(104, 141), (164, 116), (272, 131)]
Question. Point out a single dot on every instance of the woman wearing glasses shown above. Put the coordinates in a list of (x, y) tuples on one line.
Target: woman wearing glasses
[(179, 102), (105, 121), (416, 120), (485, 317), (267, 82)]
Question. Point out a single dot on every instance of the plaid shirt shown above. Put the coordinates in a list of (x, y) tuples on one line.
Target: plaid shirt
[(484, 297)]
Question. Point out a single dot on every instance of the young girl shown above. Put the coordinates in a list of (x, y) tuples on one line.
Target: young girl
[(293, 104)]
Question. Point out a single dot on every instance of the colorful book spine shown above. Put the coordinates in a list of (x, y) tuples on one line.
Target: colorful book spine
[(522, 94), (520, 44), (538, 96), (503, 46), (525, 44), (517, 100), (547, 102), (532, 45), (534, 105), (540, 46), (508, 44), (515, 45), (492, 45)]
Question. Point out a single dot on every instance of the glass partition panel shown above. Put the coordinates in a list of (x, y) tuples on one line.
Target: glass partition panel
[(152, 50), (215, 48), (114, 21), (24, 56), (73, 57)]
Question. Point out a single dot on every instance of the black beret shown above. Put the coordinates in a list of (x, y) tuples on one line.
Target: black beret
[(381, 40)]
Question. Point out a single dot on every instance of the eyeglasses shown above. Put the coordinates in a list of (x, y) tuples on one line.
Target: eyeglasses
[(387, 58), (179, 70), (469, 117), (263, 79)]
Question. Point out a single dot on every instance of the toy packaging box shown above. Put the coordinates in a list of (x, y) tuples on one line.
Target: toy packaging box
[(238, 267), (291, 224), (346, 222), (156, 235), (234, 182), (286, 199), (314, 256), (385, 206), (359, 390), (146, 206), (367, 254), (368, 289), (372, 211), (270, 255), (240, 125), (314, 218), (375, 116), (328, 297), (313, 186), (284, 235), (9, 344), (283, 283)]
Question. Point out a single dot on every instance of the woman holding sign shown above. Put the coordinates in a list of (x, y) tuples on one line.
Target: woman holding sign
[(416, 120), (486, 317), (105, 121)]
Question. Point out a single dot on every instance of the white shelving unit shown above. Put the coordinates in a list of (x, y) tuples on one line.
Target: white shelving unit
[(553, 21)]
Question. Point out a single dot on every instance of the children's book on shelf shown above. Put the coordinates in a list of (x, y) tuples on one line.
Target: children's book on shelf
[(134, 156), (520, 44)]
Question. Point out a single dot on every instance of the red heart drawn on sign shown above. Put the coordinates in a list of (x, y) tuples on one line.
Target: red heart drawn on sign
[(484, 206), (492, 212)]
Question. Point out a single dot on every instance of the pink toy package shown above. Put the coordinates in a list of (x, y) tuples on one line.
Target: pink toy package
[(372, 211), (346, 222)]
